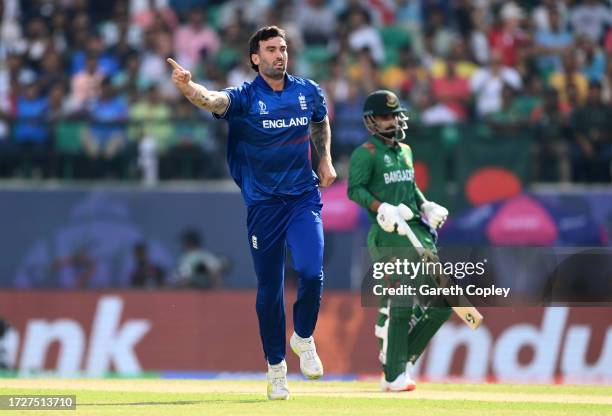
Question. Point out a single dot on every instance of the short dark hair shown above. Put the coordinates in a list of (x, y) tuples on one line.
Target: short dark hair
[(265, 33)]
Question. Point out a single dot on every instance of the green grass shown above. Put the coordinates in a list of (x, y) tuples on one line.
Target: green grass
[(190, 398)]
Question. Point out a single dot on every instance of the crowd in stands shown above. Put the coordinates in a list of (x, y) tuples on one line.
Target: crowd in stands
[(84, 84)]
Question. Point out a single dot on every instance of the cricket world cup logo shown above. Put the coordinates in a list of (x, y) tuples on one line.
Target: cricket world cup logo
[(262, 108)]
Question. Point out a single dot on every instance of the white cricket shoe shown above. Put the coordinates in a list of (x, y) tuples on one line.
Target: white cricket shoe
[(277, 381), (403, 382), (310, 363)]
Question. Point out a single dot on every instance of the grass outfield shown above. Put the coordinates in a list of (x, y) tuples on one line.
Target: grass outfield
[(196, 397)]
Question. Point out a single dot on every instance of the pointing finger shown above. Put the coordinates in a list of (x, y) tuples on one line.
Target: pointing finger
[(174, 64)]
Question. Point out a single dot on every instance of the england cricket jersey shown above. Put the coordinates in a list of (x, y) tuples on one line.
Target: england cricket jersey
[(268, 148)]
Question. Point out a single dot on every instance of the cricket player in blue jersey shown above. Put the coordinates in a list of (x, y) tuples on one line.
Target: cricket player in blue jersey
[(271, 122)]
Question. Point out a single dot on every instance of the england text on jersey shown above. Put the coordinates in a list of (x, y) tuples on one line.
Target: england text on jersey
[(280, 123)]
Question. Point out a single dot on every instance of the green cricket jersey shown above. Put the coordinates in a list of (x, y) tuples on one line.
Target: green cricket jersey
[(383, 173)]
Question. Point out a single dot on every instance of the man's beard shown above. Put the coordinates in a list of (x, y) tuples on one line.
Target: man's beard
[(272, 72), (389, 134)]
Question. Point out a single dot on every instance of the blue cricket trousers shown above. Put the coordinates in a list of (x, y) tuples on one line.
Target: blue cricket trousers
[(274, 225)]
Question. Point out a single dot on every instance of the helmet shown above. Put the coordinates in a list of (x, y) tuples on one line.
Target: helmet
[(380, 103)]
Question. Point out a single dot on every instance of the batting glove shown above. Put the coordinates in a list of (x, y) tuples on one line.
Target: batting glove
[(436, 214), (389, 217)]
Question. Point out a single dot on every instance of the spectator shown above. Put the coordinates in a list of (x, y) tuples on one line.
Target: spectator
[(592, 59), (462, 65), (240, 73), (337, 85), (442, 36), (550, 124), (145, 16), (408, 14), (530, 99), (193, 152), (592, 150), (231, 51), (507, 36), (550, 43), (128, 78), (107, 133), (107, 63), (349, 130), (52, 72), (194, 37), (452, 90), (507, 117), (146, 273), (59, 32), (589, 18), (478, 41), (364, 71), (59, 107), (36, 42), (316, 21), (70, 46), (253, 12), (570, 75), (487, 84), (401, 76), (10, 30), (150, 117), (541, 14), (436, 112), (198, 268), (85, 85), (31, 131), (363, 35), (122, 49), (153, 66), (427, 50)]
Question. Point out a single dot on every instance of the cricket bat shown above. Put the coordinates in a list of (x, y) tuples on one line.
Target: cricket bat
[(468, 314)]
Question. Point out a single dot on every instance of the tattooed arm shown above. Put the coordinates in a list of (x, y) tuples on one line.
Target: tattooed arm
[(321, 137), (214, 101)]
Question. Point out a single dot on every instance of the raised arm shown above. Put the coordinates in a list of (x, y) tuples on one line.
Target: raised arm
[(321, 137), (214, 101)]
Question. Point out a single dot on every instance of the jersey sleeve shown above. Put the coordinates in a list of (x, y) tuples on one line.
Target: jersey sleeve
[(360, 172), (320, 105), (238, 99), (419, 197)]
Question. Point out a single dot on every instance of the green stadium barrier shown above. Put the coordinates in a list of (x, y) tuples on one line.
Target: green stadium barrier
[(68, 145)]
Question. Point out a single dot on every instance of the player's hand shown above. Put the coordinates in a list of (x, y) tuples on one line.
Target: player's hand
[(390, 219), (327, 173), (436, 214), (180, 76), (405, 212)]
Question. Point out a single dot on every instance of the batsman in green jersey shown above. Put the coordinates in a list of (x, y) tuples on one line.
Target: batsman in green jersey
[(381, 179)]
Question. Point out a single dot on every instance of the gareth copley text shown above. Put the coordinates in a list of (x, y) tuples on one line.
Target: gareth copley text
[(427, 290)]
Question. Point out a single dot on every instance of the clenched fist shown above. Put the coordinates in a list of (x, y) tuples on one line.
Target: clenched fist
[(180, 76)]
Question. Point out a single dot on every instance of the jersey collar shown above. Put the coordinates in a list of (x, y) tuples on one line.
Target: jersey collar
[(382, 146), (261, 83)]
